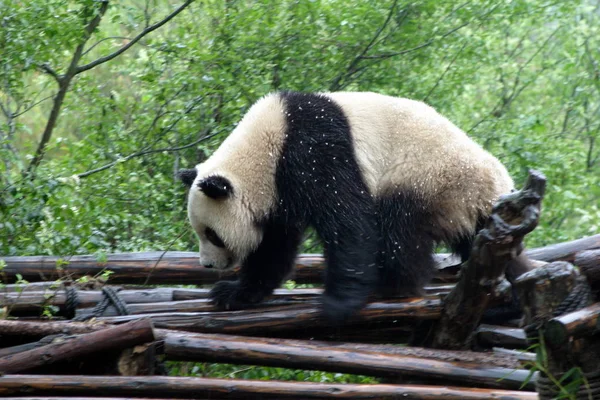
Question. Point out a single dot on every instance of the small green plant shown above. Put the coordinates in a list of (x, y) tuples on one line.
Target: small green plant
[(569, 383), (290, 285)]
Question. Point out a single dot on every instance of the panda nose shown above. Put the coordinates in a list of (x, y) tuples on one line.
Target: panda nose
[(208, 265)]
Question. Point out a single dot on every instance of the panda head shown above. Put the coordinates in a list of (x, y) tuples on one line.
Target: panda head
[(224, 224)]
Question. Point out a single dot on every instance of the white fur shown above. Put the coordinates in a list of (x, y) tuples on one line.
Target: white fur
[(247, 157), (400, 144)]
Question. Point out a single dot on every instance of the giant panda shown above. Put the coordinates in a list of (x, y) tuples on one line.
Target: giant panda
[(381, 179)]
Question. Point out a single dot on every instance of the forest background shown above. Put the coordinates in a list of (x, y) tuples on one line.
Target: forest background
[(102, 101)]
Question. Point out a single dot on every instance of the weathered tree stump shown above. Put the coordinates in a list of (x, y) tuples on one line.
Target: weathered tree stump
[(547, 294)]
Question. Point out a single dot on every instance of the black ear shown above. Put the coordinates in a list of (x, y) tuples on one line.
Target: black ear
[(187, 176), (216, 187)]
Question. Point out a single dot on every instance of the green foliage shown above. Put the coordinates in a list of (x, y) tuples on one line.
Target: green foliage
[(262, 373)]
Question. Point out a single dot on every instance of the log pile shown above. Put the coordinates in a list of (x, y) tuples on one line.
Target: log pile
[(111, 338)]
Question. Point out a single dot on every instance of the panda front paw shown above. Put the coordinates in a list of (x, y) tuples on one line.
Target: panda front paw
[(337, 311), (229, 295)]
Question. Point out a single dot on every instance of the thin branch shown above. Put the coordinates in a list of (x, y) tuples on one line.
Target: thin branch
[(351, 68), (126, 47), (145, 152), (123, 38), (568, 111), (445, 71), (50, 71), (32, 105), (428, 43), (63, 86)]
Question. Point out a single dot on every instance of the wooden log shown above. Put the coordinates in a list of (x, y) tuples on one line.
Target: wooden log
[(589, 264), (575, 325), (86, 298), (28, 346), (278, 300), (182, 267), (543, 289), (494, 247), (184, 387), (288, 318), (294, 294), (521, 355), (40, 329), (80, 398), (500, 336), (548, 292), (30, 287), (566, 251), (164, 268), (373, 332), (127, 335), (185, 348), (504, 361)]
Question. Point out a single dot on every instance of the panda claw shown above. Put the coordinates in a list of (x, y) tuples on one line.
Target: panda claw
[(228, 295)]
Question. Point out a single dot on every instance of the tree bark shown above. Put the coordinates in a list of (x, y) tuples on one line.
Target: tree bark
[(41, 329)]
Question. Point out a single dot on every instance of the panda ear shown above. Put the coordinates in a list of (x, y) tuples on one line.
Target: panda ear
[(216, 187), (187, 176)]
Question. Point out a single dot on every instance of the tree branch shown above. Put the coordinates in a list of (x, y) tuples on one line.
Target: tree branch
[(50, 71), (142, 153), (133, 41), (352, 67), (445, 71), (63, 86)]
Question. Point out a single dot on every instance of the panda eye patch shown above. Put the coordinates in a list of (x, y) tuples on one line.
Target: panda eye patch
[(213, 238)]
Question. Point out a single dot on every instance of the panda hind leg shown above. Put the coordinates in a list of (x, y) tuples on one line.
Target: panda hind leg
[(405, 251)]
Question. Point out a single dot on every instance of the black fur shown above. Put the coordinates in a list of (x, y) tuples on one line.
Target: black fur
[(405, 258), (263, 271), (462, 246), (187, 176), (216, 187)]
